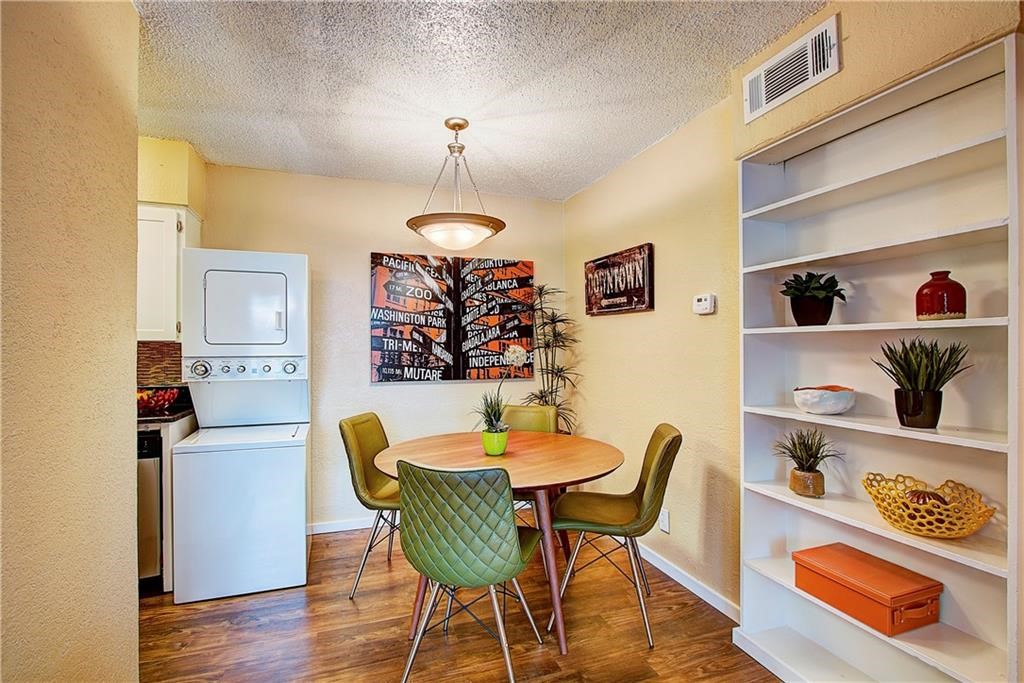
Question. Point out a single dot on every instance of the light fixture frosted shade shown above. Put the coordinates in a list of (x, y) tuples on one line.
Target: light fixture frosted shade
[(455, 231)]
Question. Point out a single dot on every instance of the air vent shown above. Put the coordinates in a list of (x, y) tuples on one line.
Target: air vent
[(805, 63)]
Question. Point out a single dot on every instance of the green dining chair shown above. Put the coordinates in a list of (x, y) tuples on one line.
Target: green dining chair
[(364, 437), (531, 418), (459, 531), (626, 515)]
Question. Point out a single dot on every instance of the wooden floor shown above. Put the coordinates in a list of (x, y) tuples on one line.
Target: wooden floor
[(317, 633)]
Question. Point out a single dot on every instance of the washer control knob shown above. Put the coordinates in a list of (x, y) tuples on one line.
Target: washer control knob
[(290, 368), (225, 368), (241, 368), (200, 368), (266, 368)]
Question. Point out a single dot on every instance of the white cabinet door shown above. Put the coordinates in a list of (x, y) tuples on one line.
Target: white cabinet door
[(157, 294)]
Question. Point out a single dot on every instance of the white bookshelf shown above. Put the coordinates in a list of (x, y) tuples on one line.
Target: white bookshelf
[(920, 178)]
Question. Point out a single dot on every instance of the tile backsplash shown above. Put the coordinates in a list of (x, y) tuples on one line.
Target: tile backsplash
[(158, 362)]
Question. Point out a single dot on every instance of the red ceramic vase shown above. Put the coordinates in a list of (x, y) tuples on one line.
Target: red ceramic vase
[(941, 298)]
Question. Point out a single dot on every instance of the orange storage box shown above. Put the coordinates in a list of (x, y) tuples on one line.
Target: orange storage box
[(885, 596)]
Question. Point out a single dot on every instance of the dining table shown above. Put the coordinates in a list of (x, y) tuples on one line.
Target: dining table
[(538, 463)]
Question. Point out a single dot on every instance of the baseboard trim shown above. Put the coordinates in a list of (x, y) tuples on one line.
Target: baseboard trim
[(339, 525), (692, 584)]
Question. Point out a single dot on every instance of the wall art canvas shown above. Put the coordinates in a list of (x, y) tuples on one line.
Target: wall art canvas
[(622, 282), (437, 318)]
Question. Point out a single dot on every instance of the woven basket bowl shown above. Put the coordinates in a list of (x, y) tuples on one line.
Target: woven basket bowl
[(962, 515)]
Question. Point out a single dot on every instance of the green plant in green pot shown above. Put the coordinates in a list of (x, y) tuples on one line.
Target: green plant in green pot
[(807, 449), (495, 433), (811, 297), (920, 369), (492, 405)]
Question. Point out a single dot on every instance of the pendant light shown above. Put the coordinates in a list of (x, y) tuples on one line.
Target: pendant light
[(456, 230)]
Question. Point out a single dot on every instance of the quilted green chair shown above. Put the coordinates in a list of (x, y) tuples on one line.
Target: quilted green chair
[(364, 438), (459, 530), (625, 515)]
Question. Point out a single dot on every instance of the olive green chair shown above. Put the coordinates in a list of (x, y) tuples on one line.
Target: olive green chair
[(364, 438), (459, 531), (531, 418), (626, 515)]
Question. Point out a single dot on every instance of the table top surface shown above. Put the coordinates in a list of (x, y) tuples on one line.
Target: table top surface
[(533, 460)]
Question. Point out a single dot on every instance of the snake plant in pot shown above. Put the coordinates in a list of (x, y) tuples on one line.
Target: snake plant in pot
[(811, 297), (807, 449), (920, 369)]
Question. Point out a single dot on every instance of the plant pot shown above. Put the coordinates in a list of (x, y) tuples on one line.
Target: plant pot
[(495, 443), (918, 409), (941, 298), (810, 310), (810, 484)]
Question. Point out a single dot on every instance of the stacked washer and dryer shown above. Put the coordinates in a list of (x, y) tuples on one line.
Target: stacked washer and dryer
[(239, 484)]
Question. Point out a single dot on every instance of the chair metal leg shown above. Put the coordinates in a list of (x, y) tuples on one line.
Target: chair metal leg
[(501, 634), (568, 574), (431, 604), (526, 609), (643, 572), (634, 560), (366, 553), (448, 610), (391, 535)]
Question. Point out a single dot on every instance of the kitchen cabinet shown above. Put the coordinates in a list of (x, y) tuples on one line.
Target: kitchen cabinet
[(163, 232)]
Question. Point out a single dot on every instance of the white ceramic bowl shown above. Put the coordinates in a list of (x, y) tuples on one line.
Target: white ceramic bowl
[(824, 401)]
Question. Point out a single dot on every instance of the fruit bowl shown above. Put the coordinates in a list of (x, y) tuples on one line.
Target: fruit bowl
[(155, 400), (827, 399), (952, 510)]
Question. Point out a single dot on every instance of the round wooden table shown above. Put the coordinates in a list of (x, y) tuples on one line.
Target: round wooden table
[(537, 462)]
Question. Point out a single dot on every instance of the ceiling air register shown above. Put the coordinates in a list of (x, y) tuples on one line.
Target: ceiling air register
[(802, 65)]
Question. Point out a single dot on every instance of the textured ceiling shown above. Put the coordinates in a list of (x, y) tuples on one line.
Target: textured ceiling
[(557, 93)]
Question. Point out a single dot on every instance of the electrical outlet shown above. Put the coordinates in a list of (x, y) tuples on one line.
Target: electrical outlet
[(663, 520)]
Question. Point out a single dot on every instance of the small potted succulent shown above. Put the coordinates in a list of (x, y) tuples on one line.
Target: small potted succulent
[(920, 369), (492, 405), (811, 297), (807, 449), (495, 433)]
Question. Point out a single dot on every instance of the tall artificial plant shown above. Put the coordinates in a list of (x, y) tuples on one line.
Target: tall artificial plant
[(554, 339)]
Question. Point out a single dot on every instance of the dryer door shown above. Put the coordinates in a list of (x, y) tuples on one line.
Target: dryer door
[(245, 307)]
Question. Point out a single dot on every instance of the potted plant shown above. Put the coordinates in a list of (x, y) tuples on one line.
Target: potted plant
[(920, 369), (492, 405), (811, 297), (495, 433), (553, 330), (807, 449)]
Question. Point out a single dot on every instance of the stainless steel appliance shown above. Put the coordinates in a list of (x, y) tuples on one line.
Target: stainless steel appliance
[(150, 447)]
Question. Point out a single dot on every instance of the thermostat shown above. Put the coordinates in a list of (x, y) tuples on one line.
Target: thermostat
[(704, 304)]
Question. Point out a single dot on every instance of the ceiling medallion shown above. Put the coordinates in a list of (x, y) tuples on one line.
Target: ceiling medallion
[(456, 230)]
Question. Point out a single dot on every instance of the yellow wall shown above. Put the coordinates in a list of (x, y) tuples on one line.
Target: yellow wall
[(69, 92), (670, 365), (881, 44), (171, 172), (338, 222)]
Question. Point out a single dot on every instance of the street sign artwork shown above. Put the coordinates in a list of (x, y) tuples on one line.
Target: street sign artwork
[(622, 282), (437, 318)]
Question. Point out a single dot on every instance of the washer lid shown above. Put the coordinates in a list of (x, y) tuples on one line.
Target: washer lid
[(243, 438)]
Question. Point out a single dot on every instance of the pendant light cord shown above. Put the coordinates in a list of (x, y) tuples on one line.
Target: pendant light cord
[(458, 189)]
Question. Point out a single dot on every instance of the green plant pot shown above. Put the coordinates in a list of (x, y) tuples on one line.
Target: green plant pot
[(495, 443)]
